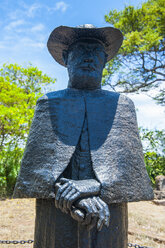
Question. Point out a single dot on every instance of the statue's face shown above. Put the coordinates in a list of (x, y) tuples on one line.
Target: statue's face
[(85, 62)]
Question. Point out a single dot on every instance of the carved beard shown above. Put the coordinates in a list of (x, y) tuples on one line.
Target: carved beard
[(84, 79)]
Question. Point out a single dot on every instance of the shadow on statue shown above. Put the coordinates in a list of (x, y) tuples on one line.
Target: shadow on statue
[(83, 160)]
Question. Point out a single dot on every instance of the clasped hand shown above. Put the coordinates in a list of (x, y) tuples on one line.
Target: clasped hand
[(68, 191), (96, 212), (88, 208)]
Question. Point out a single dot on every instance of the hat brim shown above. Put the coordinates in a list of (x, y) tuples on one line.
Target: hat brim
[(62, 37)]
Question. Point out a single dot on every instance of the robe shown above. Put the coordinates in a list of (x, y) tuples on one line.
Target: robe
[(54, 229), (115, 146), (116, 161)]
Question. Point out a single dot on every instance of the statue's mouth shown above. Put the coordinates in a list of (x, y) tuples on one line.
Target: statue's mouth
[(87, 68)]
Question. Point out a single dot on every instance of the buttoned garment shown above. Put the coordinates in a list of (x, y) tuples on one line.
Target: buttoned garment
[(80, 166)]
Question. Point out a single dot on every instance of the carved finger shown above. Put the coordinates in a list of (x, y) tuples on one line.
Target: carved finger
[(63, 195), (82, 203), (59, 192), (100, 224), (94, 210), (101, 215), (72, 198), (77, 215), (67, 198), (57, 186), (92, 224), (64, 180), (106, 212), (88, 215)]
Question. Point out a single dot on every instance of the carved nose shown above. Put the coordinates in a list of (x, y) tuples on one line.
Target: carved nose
[(88, 60)]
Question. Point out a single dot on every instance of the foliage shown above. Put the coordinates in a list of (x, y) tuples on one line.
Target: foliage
[(154, 152), (155, 165), (154, 140), (10, 159), (19, 90), (140, 63)]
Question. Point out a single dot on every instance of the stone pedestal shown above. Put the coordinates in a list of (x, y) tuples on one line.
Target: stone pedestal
[(54, 229)]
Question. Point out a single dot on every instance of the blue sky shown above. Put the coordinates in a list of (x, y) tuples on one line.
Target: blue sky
[(25, 27)]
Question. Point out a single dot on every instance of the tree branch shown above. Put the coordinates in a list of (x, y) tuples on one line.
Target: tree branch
[(160, 73), (142, 85)]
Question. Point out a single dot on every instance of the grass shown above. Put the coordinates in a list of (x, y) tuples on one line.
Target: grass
[(146, 222), (17, 221)]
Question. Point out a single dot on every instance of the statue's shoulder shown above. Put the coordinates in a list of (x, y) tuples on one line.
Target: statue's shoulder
[(60, 94), (109, 94), (115, 95), (126, 100)]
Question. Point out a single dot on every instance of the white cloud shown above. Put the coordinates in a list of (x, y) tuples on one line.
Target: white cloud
[(29, 42), (62, 6), (14, 24), (31, 11), (37, 28), (40, 45), (25, 11), (150, 115), (22, 44)]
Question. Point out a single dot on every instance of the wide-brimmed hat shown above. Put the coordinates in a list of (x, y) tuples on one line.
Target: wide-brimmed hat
[(62, 37)]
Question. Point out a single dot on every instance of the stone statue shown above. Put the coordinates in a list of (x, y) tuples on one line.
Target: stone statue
[(83, 160)]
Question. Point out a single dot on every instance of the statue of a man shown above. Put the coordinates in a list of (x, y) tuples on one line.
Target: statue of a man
[(83, 160)]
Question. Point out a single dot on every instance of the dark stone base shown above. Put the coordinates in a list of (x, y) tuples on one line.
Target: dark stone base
[(54, 229)]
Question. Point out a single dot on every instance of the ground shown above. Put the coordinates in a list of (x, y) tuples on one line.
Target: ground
[(146, 222)]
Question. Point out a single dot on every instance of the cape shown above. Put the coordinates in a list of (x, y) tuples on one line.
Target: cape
[(115, 146)]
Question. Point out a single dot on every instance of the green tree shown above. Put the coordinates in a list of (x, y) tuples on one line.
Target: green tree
[(19, 90), (139, 65), (154, 152)]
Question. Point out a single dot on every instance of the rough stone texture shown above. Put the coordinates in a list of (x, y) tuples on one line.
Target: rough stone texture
[(64, 232), (159, 194), (160, 182), (102, 127), (159, 202), (115, 146)]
